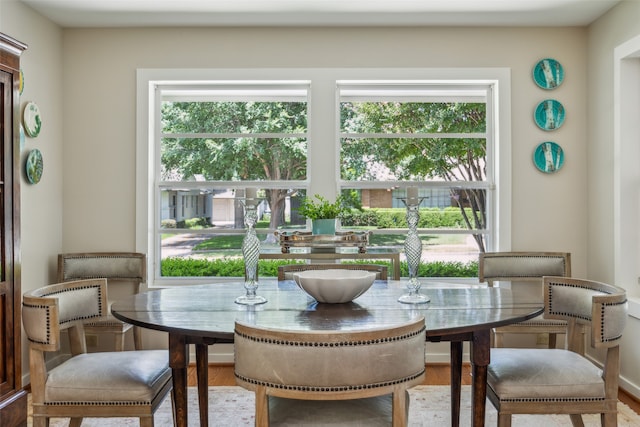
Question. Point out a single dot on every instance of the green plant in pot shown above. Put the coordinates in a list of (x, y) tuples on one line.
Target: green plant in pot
[(323, 213)]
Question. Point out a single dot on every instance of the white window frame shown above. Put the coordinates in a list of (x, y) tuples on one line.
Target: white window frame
[(322, 162), (425, 91)]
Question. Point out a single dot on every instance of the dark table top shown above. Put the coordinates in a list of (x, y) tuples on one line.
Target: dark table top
[(209, 310)]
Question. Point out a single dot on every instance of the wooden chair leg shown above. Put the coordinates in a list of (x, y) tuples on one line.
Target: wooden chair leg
[(262, 407), (576, 420), (173, 407), (146, 421), (73, 422), (399, 407), (173, 410), (609, 419), (137, 338), (504, 420), (553, 340), (583, 343), (119, 341), (499, 339), (40, 421)]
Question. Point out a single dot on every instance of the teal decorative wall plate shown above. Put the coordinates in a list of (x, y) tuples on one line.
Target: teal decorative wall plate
[(549, 114), (548, 73), (548, 157)]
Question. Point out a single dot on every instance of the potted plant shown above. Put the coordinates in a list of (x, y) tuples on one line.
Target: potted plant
[(323, 213)]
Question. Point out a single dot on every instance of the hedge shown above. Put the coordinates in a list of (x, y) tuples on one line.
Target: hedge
[(234, 267), (396, 218)]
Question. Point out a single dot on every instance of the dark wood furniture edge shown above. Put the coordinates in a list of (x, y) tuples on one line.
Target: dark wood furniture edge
[(13, 398)]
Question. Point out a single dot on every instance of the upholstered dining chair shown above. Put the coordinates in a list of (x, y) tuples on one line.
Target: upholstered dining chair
[(103, 384), (304, 365), (120, 269), (285, 272), (529, 268), (563, 381)]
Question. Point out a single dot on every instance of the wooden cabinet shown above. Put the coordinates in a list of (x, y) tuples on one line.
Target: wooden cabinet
[(13, 399)]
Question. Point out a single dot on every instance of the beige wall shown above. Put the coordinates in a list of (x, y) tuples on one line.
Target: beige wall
[(549, 211), (41, 204), (617, 27)]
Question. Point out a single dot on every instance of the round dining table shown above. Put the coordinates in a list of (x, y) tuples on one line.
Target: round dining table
[(206, 314)]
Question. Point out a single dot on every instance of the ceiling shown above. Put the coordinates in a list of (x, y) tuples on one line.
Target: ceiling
[(120, 13)]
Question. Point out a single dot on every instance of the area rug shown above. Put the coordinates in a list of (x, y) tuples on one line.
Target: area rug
[(429, 406)]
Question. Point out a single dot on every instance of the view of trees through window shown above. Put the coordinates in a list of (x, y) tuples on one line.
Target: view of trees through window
[(214, 144), (237, 141), (381, 144)]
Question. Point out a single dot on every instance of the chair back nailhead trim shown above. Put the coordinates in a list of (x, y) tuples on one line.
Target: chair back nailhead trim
[(106, 403), (100, 314), (48, 322), (555, 399), (331, 344), (602, 332), (563, 313), (332, 389)]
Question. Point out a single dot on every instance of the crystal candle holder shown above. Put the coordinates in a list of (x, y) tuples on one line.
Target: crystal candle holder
[(413, 252), (251, 254)]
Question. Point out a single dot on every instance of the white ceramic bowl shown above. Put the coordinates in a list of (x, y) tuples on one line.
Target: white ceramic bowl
[(334, 285)]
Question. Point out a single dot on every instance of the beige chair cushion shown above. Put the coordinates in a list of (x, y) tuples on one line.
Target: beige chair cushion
[(543, 374), (104, 380)]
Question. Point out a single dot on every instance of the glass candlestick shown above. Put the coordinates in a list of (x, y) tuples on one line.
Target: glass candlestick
[(413, 253), (251, 254)]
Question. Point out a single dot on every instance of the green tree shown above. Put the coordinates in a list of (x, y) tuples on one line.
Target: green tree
[(221, 153), (224, 152), (406, 158)]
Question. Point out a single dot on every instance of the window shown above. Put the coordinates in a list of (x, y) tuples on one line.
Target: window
[(207, 135), (428, 134)]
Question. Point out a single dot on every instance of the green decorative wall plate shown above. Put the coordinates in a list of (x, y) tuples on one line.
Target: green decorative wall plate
[(34, 166), (31, 119)]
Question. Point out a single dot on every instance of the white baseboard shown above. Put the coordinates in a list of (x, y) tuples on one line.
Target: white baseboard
[(634, 307), (631, 388)]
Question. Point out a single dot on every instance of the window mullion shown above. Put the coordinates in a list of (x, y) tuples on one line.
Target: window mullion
[(416, 135), (234, 135)]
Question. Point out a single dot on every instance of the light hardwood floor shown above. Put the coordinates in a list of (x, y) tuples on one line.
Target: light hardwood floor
[(436, 374)]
